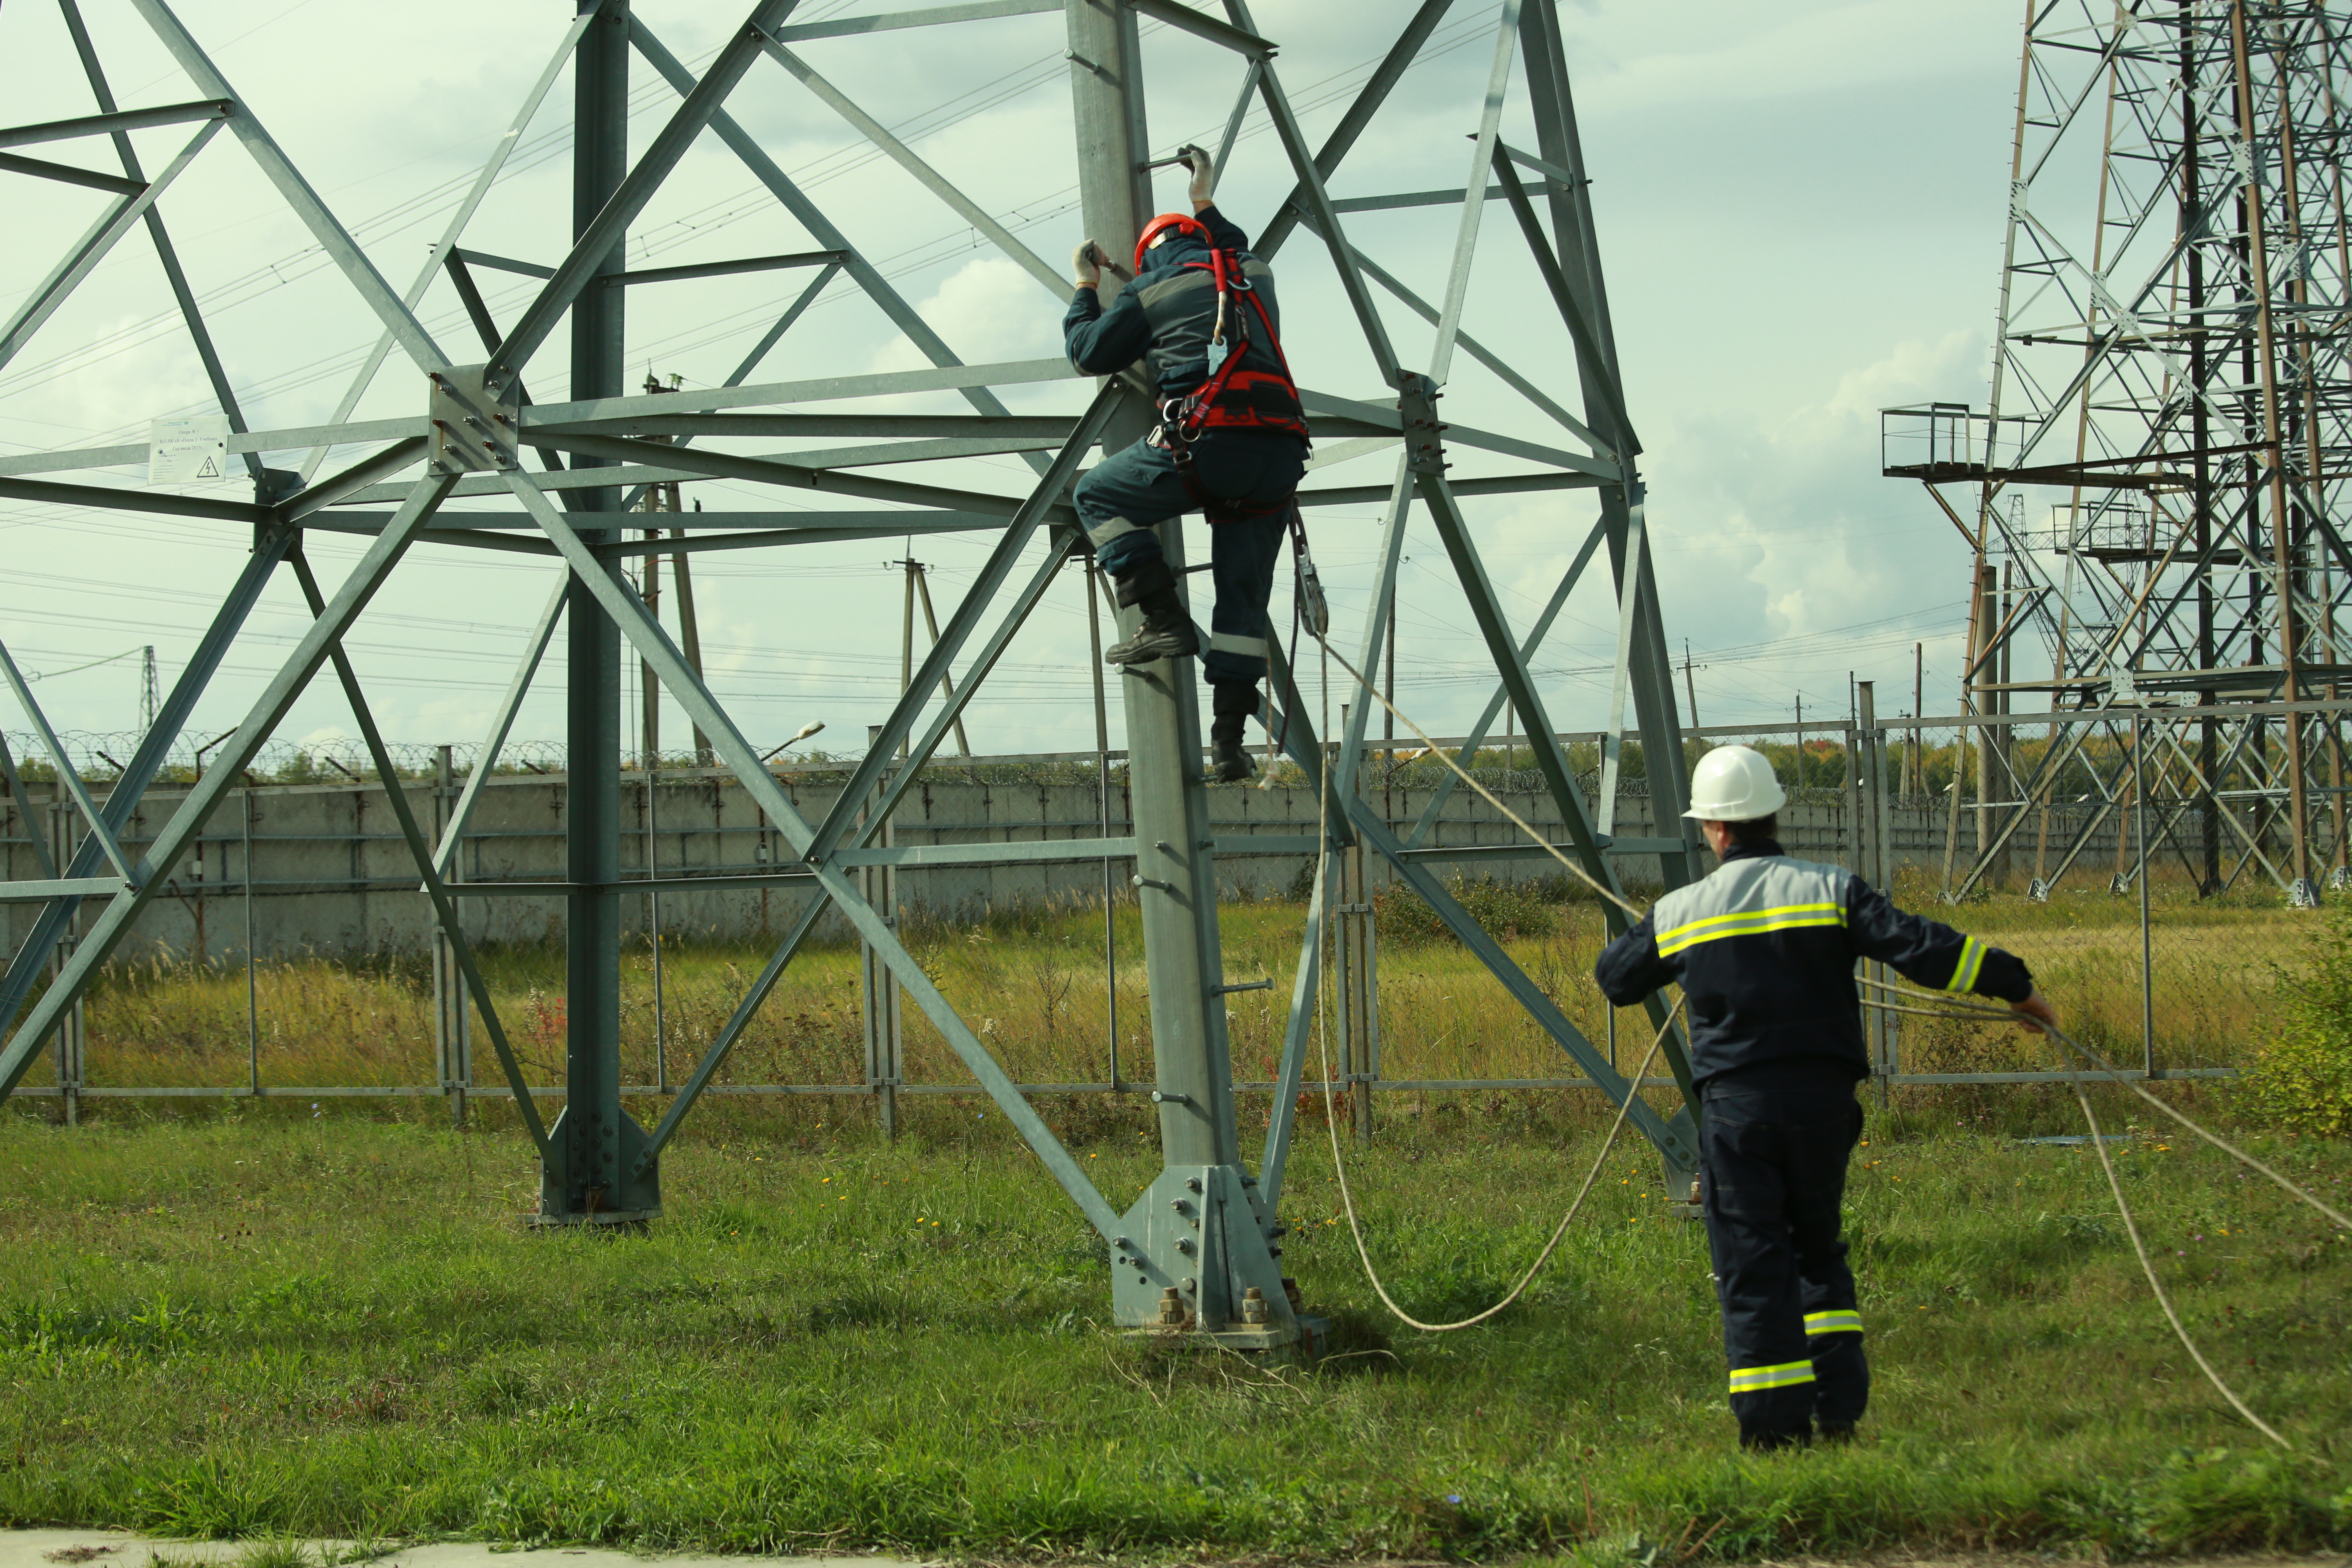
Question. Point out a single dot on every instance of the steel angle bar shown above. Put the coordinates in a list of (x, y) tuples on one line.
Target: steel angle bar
[(1534, 164), (839, 821), (59, 888), (1376, 614), (1505, 485), (1233, 122), (68, 775), (458, 219), (15, 786), (91, 249), (653, 646), (1047, 426), (499, 263), (931, 179), (740, 1019), (1542, 737), (1589, 344), (1383, 80), (278, 695), (477, 311), (270, 545), (719, 269), (55, 494), (339, 247), (770, 538), (1479, 351), (696, 462), (1462, 436), (784, 323), (67, 175), (358, 476), (1478, 736), (1242, 40), (1363, 817), (974, 676), (1319, 203), (1306, 1000), (1473, 206), (111, 123), (168, 258), (822, 229), (1628, 608), (937, 16), (956, 377), (444, 910), (502, 723), (592, 248)]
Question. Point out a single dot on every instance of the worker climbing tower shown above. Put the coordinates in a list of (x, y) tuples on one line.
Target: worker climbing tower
[(496, 448), (2155, 498)]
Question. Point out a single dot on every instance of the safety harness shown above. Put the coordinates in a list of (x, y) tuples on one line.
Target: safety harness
[(1231, 398)]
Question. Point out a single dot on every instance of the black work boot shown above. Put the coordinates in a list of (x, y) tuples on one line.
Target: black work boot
[(1167, 629), (1231, 704)]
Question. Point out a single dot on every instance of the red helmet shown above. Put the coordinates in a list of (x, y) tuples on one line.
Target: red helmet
[(1162, 224)]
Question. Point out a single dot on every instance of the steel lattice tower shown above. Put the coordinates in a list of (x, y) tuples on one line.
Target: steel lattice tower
[(2156, 492), (473, 463)]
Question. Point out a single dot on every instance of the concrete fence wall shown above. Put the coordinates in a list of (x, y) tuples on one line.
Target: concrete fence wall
[(331, 875)]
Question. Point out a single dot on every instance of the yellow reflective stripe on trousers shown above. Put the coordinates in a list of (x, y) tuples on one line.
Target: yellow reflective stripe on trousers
[(1754, 1379), (1964, 972), (1749, 922), (1235, 643), (1836, 1322)]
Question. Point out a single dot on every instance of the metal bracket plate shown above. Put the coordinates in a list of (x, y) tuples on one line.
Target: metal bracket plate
[(474, 429)]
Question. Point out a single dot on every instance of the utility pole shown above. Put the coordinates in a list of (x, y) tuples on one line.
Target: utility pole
[(1194, 1250), (1690, 687)]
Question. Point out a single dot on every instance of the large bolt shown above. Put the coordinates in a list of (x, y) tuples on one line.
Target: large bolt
[(1252, 1305)]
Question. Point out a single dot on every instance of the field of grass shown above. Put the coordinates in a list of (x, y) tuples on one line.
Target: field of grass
[(1032, 982), (263, 1323)]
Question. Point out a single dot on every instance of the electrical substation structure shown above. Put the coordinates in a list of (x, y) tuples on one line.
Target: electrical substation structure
[(2156, 492), (480, 465)]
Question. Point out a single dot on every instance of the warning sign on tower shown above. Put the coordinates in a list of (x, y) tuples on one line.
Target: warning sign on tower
[(192, 449)]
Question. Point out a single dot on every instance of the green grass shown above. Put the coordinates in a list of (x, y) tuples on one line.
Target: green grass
[(271, 1326)]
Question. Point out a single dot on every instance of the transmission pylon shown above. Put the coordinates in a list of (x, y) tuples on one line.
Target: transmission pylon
[(471, 460), (2155, 492)]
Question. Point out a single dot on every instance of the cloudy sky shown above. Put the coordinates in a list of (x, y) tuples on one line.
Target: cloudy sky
[(1801, 214)]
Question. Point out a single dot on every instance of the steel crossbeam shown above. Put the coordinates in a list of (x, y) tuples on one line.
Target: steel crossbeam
[(599, 1166)]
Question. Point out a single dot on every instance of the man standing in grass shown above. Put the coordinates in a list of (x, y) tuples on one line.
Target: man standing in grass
[(1764, 950)]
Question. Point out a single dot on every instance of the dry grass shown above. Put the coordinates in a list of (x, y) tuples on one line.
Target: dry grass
[(1032, 982)]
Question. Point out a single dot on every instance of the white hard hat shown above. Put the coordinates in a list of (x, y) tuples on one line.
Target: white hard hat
[(1734, 784)]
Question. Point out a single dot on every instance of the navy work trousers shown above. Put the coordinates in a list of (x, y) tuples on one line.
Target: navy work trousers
[(1123, 497), (1774, 1165)]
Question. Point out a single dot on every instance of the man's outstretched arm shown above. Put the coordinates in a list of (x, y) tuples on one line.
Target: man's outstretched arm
[(1931, 953)]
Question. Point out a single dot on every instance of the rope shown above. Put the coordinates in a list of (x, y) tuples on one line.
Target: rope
[(1331, 1100), (1964, 1011), (1440, 752), (1946, 1007)]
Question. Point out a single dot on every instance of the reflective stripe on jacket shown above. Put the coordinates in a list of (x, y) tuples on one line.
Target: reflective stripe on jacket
[(1764, 950)]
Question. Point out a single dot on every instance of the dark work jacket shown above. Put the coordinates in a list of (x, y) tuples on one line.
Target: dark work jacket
[(1166, 316), (1764, 950)]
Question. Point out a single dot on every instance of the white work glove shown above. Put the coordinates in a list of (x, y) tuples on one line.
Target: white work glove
[(1084, 266), (1204, 177)]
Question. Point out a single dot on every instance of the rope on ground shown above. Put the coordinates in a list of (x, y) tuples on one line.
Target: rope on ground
[(1952, 1008), (2112, 1071), (1323, 1038)]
